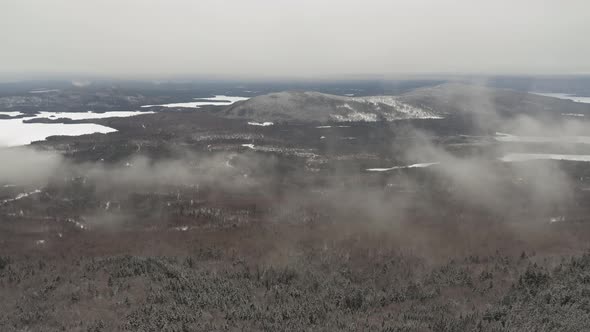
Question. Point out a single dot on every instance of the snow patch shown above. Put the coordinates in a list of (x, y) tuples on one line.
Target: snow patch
[(327, 127), (347, 106), (261, 124), (76, 223), (43, 90), (11, 113), (21, 196), (405, 111), (511, 157), (90, 115), (220, 100), (556, 219), (503, 137), (355, 117), (421, 165), (566, 96)]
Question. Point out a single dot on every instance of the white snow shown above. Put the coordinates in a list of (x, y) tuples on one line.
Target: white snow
[(261, 124), (556, 219), (503, 137), (43, 90), (347, 106), (76, 223), (226, 99), (409, 111), (90, 115), (355, 116), (11, 113), (21, 196), (251, 146), (14, 132), (567, 96), (421, 165), (220, 100), (543, 156), (572, 114)]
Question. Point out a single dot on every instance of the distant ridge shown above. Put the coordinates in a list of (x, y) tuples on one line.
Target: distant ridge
[(321, 107), (423, 103), (455, 98)]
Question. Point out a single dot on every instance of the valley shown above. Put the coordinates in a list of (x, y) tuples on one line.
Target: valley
[(288, 210)]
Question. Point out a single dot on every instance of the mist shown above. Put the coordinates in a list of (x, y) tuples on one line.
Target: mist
[(480, 182), (327, 165)]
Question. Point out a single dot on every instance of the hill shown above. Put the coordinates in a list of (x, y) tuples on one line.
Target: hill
[(320, 107), (423, 103), (454, 98)]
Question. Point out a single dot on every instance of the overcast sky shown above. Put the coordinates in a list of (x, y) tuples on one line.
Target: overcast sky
[(310, 38)]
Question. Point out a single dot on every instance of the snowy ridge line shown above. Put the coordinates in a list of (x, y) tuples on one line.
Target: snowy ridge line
[(21, 196)]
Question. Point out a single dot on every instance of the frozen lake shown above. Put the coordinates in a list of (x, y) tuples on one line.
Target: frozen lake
[(544, 156), (421, 165), (502, 137), (578, 99), (15, 132), (219, 100), (89, 115)]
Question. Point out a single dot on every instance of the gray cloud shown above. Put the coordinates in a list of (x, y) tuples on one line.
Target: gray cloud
[(149, 38)]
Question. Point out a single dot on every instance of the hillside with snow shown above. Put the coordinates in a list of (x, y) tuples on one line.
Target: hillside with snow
[(320, 107)]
